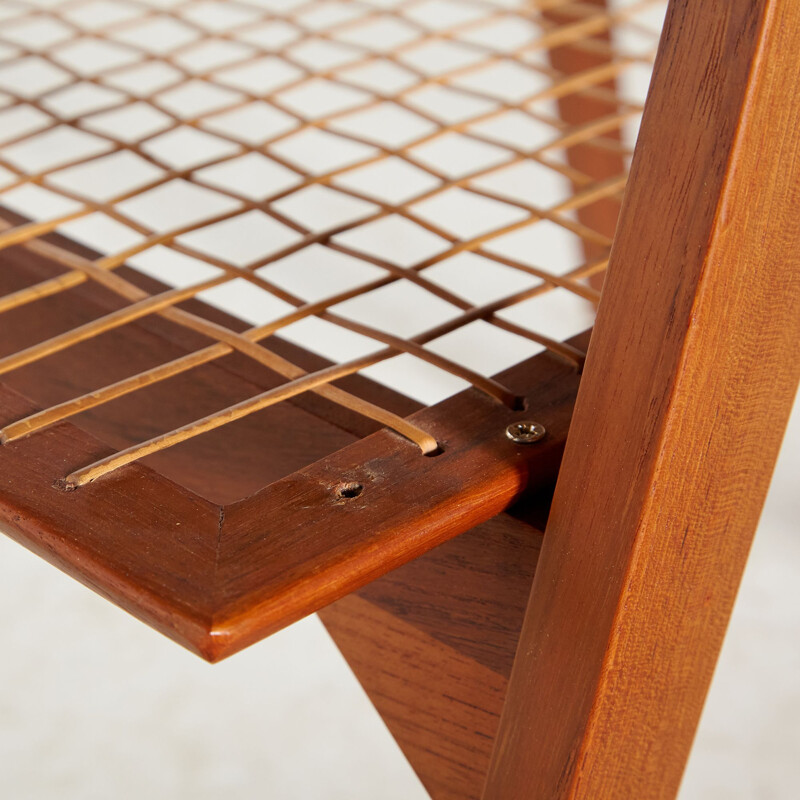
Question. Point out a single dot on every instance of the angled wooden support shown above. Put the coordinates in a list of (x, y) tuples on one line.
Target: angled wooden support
[(590, 158), (432, 643), (688, 384)]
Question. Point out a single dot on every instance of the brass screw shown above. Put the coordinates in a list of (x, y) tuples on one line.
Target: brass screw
[(525, 432)]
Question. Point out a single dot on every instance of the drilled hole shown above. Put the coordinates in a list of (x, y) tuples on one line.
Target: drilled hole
[(520, 403), (349, 490)]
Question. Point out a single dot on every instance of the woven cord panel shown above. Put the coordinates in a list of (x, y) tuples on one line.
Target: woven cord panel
[(324, 211)]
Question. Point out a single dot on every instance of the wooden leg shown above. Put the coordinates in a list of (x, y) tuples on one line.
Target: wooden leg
[(688, 385), (590, 159)]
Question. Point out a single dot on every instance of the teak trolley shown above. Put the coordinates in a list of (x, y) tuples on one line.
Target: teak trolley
[(222, 449)]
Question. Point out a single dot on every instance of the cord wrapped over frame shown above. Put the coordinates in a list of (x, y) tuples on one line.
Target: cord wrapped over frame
[(395, 146)]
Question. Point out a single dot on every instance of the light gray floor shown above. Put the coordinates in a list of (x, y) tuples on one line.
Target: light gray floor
[(93, 705)]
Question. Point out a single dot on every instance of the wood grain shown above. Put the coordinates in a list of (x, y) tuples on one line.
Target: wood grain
[(432, 643), (688, 384), (222, 466), (297, 545), (269, 538)]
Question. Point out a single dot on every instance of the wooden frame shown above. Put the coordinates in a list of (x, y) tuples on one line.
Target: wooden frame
[(215, 549), (688, 384), (667, 464), (648, 537), (218, 576)]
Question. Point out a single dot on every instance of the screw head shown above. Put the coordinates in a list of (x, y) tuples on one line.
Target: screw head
[(525, 432)]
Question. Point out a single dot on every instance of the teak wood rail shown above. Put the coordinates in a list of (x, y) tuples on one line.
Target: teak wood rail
[(675, 433)]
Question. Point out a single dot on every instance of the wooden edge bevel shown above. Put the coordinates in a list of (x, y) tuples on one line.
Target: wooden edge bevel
[(140, 540), (218, 578)]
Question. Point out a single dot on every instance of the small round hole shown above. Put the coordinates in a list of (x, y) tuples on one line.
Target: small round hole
[(349, 490)]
